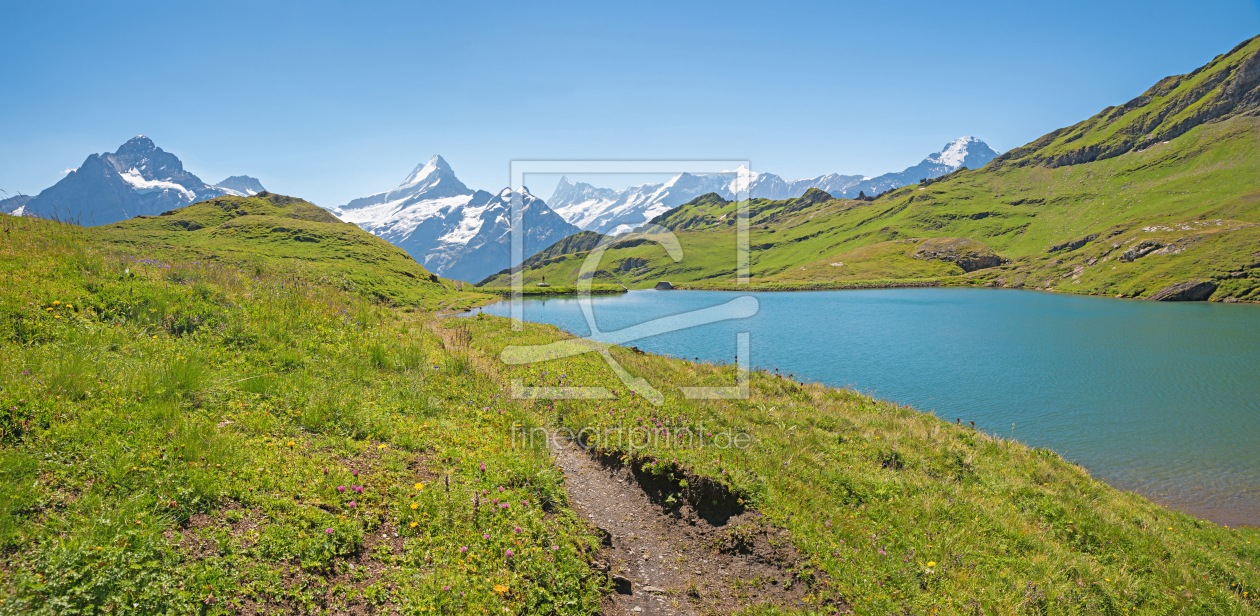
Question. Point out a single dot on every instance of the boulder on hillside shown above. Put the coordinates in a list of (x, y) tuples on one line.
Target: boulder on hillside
[(1074, 244), (1190, 291), (969, 254)]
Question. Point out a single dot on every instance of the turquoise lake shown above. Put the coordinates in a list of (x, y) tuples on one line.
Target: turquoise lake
[(1159, 398)]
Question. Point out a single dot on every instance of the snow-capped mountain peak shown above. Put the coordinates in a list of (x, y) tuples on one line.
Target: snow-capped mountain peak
[(427, 183), (242, 185), (742, 179), (450, 229), (138, 179), (955, 152), (431, 172)]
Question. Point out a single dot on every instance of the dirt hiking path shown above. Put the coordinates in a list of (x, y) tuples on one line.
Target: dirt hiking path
[(667, 558)]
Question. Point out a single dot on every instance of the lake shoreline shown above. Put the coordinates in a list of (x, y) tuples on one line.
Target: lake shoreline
[(778, 287), (969, 380), (790, 287)]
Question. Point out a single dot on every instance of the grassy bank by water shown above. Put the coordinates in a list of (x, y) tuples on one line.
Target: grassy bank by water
[(187, 437), (833, 285), (536, 291)]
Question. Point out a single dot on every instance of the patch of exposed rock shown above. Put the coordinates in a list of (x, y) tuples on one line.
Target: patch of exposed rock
[(1074, 244), (1190, 291), (1149, 247), (967, 253)]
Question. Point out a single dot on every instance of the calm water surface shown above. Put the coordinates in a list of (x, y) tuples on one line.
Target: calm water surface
[(1160, 398)]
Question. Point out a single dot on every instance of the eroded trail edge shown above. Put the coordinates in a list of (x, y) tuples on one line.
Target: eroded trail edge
[(667, 551)]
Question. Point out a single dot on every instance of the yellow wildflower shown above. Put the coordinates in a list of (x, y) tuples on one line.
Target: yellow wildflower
[(499, 588), (931, 563), (56, 303), (419, 486), (414, 506)]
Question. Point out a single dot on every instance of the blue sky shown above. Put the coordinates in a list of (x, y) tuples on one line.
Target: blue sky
[(335, 100)]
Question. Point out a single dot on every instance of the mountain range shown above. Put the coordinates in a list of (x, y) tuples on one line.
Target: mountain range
[(138, 179), (1154, 198), (451, 229), (613, 212), (463, 233)]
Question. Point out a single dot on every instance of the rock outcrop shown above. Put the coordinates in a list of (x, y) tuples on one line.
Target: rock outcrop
[(1190, 291), (969, 254), (1074, 244)]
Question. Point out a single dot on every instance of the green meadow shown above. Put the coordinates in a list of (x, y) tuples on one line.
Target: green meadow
[(183, 435)]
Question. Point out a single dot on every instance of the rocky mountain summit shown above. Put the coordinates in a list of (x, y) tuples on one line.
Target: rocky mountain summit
[(242, 185), (138, 179), (451, 229)]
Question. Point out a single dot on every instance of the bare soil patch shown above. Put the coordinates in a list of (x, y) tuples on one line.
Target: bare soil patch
[(698, 553)]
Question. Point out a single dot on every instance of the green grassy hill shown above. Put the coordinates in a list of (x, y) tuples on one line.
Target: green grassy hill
[(204, 439), (1158, 192), (284, 235)]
